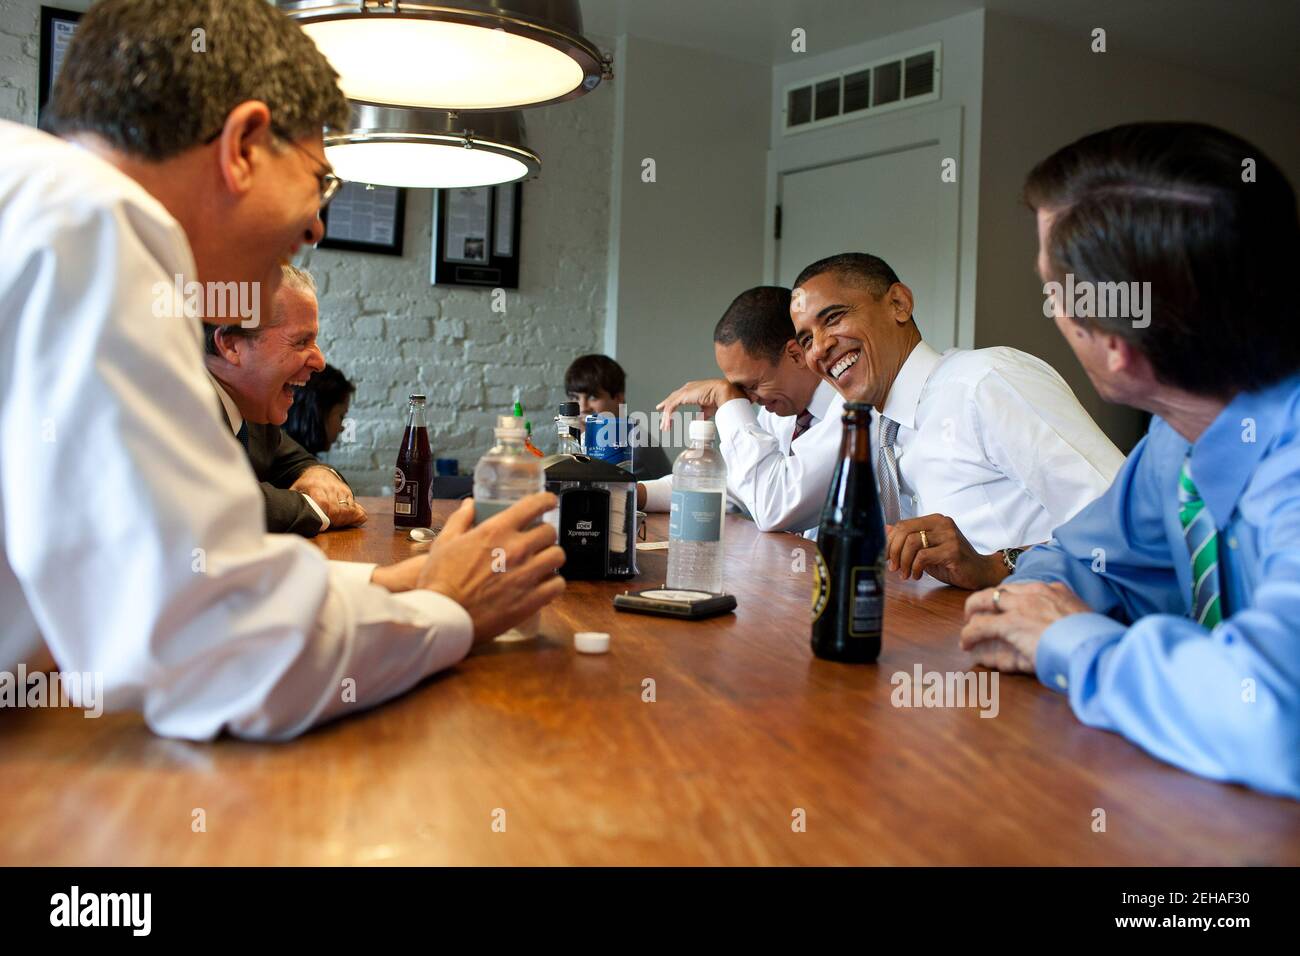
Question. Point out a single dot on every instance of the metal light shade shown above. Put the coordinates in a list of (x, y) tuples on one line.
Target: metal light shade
[(430, 149), (455, 54)]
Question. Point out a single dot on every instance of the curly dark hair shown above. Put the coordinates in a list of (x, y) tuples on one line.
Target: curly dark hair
[(140, 74)]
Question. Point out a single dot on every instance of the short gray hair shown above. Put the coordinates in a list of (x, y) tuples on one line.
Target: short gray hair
[(133, 75), (292, 278), (295, 278)]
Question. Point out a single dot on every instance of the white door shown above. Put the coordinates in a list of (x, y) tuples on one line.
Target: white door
[(883, 194)]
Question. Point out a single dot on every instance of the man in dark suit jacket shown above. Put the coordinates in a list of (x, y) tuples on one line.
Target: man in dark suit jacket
[(279, 461), (255, 372)]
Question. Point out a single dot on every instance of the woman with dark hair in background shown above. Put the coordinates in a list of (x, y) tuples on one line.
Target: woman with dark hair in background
[(316, 416)]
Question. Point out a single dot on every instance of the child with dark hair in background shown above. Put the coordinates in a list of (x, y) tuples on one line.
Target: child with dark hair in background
[(598, 384), (318, 409)]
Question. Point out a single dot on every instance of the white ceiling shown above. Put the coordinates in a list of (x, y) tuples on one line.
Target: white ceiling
[(1254, 43)]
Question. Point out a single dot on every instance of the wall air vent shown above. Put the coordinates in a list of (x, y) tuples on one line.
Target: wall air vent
[(907, 79)]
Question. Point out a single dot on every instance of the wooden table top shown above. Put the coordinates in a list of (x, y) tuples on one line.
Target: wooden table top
[(746, 730)]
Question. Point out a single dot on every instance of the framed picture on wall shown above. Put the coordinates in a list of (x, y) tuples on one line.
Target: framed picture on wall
[(476, 236), (365, 218), (57, 28)]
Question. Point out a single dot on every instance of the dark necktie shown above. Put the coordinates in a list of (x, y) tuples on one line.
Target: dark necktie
[(802, 423), (242, 435)]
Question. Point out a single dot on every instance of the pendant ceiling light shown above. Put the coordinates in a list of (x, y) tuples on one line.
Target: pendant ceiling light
[(455, 54), (430, 149)]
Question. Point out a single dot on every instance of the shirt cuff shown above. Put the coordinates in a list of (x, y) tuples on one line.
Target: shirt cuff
[(455, 627), (659, 493), (443, 628), (324, 519), (732, 417), (1068, 646), (359, 572)]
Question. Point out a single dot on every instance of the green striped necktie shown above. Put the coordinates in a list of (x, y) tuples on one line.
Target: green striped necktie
[(1203, 545)]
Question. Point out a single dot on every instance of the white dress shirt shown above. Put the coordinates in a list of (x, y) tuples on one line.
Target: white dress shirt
[(995, 440), (781, 483), (236, 419), (132, 527)]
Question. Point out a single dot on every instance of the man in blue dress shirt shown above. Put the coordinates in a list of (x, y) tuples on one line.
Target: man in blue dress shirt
[(1169, 609)]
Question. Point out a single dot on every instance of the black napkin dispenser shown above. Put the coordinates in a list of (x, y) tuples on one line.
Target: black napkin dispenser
[(596, 519)]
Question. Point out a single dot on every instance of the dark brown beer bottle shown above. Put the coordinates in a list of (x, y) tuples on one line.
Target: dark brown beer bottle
[(414, 471), (849, 574)]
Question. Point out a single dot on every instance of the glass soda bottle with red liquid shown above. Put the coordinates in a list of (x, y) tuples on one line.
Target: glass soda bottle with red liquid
[(414, 471)]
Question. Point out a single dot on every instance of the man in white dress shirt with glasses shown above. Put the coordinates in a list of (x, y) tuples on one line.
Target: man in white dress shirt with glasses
[(134, 542), (980, 453)]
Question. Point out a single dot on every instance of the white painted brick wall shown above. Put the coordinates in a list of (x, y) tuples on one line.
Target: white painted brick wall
[(393, 333), (20, 50)]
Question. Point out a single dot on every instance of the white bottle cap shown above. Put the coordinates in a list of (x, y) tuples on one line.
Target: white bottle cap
[(703, 431), (591, 642)]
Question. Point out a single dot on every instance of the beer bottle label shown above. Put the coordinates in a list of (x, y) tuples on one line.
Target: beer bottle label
[(821, 584), (695, 516), (868, 602)]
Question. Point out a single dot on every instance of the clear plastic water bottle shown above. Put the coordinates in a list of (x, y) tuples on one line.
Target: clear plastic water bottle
[(695, 521), (505, 474)]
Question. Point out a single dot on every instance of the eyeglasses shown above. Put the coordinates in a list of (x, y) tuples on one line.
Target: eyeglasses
[(329, 182)]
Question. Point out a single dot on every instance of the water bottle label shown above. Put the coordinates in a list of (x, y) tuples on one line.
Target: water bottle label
[(695, 516), (485, 508)]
